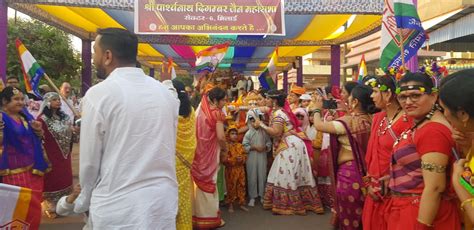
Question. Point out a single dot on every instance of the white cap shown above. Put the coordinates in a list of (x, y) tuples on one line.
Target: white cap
[(305, 97)]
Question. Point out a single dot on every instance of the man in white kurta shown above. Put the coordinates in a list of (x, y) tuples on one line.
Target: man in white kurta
[(127, 155)]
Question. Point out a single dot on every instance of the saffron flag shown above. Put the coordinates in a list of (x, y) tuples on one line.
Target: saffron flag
[(266, 78), (17, 206), (171, 69), (400, 24), (32, 71), (362, 69), (209, 58)]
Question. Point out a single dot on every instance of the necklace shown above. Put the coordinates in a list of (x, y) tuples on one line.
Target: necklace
[(388, 123), (404, 135)]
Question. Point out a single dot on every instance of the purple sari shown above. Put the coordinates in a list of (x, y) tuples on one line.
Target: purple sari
[(348, 175)]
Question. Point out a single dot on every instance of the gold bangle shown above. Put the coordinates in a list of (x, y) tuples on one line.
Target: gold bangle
[(423, 223), (465, 202)]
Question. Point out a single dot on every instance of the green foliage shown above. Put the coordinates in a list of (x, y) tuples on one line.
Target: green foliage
[(187, 80), (50, 46)]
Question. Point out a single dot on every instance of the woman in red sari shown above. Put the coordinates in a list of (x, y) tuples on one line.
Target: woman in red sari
[(58, 145), (211, 143), (421, 195), (22, 161), (386, 128)]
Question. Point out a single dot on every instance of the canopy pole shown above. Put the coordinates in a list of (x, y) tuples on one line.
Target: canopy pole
[(86, 65), (152, 72), (299, 71), (412, 64), (3, 39), (335, 65), (285, 81)]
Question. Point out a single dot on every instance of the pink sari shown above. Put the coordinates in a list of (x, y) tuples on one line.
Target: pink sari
[(205, 160)]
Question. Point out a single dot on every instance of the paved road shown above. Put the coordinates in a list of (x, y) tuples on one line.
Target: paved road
[(256, 218)]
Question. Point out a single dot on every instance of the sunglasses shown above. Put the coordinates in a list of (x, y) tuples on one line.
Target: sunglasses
[(414, 97)]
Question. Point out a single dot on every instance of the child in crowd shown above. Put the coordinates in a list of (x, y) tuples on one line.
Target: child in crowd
[(257, 143), (235, 171)]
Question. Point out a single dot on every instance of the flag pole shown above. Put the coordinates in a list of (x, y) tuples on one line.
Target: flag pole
[(402, 49), (76, 113)]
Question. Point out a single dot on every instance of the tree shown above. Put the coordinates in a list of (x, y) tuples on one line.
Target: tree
[(50, 46)]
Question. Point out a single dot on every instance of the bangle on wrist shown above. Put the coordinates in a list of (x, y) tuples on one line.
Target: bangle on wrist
[(463, 204), (423, 225)]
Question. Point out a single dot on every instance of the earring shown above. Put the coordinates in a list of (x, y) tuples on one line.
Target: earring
[(465, 124), (48, 105)]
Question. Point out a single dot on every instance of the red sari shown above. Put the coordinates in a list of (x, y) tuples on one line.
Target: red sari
[(378, 165), (406, 179)]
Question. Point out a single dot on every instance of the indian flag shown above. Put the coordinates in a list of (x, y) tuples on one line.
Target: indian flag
[(209, 58), (362, 69), (32, 71), (266, 78), (401, 27), (16, 208)]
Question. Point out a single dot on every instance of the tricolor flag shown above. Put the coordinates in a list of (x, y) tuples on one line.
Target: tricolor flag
[(209, 58), (32, 71), (362, 69), (400, 18), (266, 78), (19, 207)]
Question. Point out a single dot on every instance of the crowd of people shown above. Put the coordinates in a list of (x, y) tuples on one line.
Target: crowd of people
[(384, 153)]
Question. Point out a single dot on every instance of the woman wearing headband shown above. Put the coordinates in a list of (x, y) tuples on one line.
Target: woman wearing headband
[(386, 128), (458, 103), (58, 145), (420, 192), (22, 161)]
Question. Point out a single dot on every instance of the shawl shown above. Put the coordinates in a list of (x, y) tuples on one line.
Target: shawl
[(358, 132), (22, 149)]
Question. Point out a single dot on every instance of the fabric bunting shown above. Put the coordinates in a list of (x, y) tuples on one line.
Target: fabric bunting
[(16, 204), (400, 15), (209, 58), (32, 71), (266, 78)]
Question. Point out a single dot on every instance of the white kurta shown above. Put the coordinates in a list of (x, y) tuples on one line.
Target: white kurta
[(127, 155), (65, 108)]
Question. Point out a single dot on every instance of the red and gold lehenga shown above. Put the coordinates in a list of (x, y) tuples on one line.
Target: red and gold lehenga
[(58, 141), (23, 162)]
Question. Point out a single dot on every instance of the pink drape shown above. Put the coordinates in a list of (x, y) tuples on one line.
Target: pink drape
[(185, 52), (205, 163)]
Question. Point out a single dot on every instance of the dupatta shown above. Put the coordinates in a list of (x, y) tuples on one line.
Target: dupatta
[(205, 162)]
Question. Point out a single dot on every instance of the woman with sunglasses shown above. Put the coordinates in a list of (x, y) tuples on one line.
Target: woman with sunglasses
[(419, 173), (386, 128), (456, 99)]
